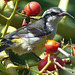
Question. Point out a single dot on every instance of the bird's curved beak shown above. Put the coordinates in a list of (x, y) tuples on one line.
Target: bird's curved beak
[(66, 14)]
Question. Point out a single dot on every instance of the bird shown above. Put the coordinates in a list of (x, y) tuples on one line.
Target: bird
[(32, 37)]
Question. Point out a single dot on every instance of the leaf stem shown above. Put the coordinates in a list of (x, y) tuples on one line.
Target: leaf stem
[(6, 28), (14, 10), (3, 16)]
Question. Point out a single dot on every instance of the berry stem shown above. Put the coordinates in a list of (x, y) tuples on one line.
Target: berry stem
[(67, 45), (71, 51), (14, 11), (27, 16), (48, 57), (63, 68), (48, 63), (6, 28), (63, 52), (4, 16), (10, 18), (45, 67), (27, 66)]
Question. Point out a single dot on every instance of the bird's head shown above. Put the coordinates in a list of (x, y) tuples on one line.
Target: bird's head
[(54, 14)]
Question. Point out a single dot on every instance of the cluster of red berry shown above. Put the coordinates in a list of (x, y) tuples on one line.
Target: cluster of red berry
[(50, 47)]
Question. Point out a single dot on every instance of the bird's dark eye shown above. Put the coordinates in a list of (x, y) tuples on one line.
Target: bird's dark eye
[(54, 13)]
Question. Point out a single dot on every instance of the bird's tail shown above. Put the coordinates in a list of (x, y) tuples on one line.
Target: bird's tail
[(4, 46)]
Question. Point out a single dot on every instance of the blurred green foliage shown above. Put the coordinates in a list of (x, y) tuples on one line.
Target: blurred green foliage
[(45, 4)]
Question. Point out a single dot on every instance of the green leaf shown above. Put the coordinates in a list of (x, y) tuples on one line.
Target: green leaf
[(30, 58), (3, 69), (10, 29), (72, 59), (1, 73), (69, 72)]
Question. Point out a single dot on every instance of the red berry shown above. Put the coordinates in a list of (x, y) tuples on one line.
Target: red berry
[(67, 61), (51, 46), (6, 1), (59, 60), (32, 8), (24, 22), (51, 67), (46, 55), (74, 49), (42, 63), (51, 42)]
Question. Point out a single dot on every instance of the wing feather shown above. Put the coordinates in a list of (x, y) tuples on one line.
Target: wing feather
[(35, 29)]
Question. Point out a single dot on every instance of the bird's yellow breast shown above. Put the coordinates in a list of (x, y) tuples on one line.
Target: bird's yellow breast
[(17, 40)]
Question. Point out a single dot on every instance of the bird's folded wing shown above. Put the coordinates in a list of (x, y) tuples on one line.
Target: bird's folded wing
[(35, 29)]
